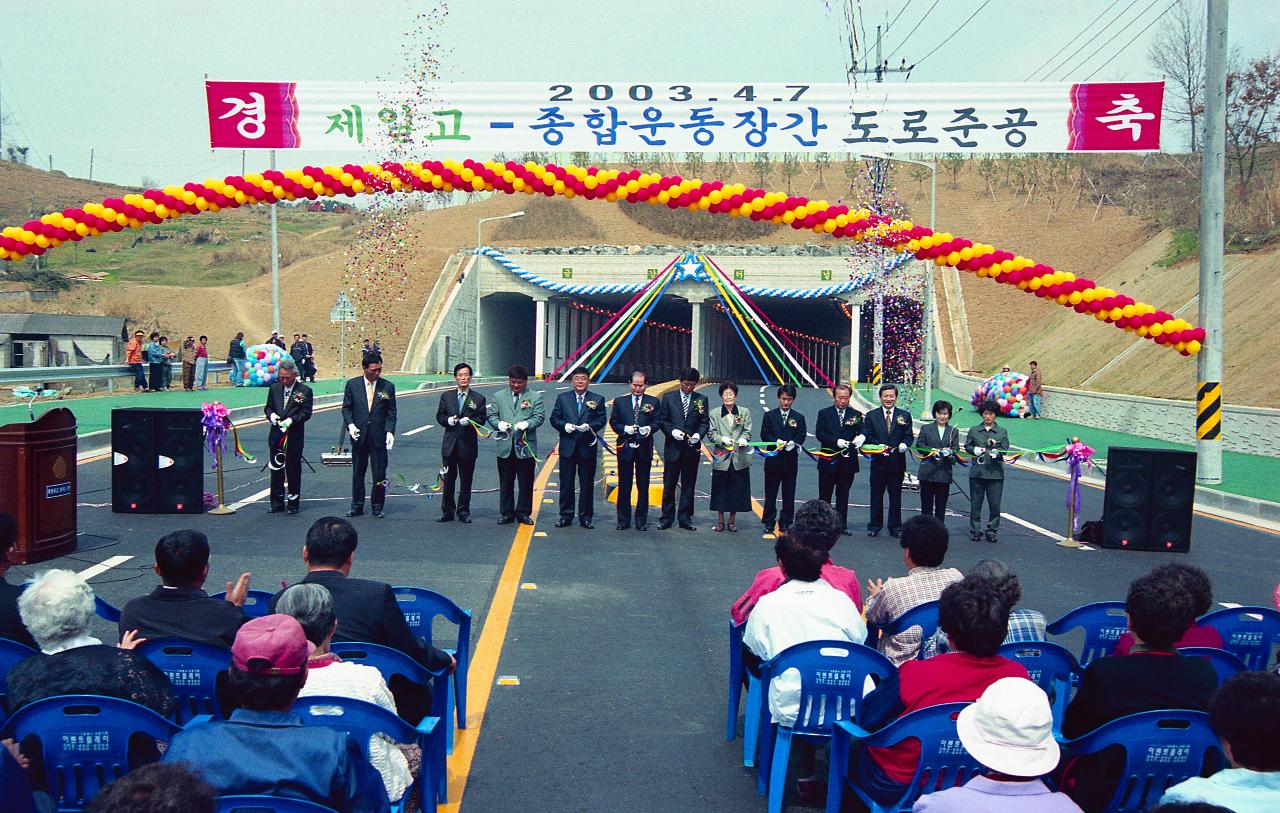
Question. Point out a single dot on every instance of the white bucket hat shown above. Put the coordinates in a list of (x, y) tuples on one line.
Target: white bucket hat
[(1010, 729)]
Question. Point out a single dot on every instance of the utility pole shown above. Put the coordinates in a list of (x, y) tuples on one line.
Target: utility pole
[(275, 260), (1212, 181), (51, 162), (91, 163), (880, 68)]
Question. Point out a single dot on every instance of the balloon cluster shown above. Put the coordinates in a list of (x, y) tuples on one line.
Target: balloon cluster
[(632, 186), (261, 367), (1008, 391)]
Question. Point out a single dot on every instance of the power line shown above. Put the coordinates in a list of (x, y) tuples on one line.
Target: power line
[(862, 59), (937, 47), (913, 30), (1125, 47), (1067, 74), (1067, 44)]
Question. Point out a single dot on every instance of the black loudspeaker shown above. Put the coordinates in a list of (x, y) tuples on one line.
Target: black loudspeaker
[(1149, 499), (157, 461)]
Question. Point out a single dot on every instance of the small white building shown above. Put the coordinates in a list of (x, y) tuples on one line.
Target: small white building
[(56, 340)]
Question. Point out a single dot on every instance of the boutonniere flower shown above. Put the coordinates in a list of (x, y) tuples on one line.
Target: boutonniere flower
[(792, 423), (471, 404), (591, 404), (852, 421), (384, 396), (699, 406), (902, 421), (647, 408), (525, 405), (737, 420), (299, 398)]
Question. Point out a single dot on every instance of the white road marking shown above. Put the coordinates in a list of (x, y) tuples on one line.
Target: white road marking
[(102, 567), (252, 498), (1043, 531), (419, 429)]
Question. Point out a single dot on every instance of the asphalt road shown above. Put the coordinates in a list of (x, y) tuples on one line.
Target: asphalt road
[(608, 689)]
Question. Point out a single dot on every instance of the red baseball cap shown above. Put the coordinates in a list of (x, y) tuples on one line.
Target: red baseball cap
[(271, 645)]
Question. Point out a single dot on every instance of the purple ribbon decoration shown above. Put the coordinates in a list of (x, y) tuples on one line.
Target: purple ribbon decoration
[(1078, 456), (215, 419)]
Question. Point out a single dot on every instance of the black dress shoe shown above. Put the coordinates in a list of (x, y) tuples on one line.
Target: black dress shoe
[(895, 533), (688, 526), (525, 520), (506, 520), (847, 532), (991, 537), (642, 527), (292, 509), (464, 520), (873, 532), (377, 511), (355, 512), (276, 509), (444, 518), (664, 525), (563, 523), (588, 524), (622, 526)]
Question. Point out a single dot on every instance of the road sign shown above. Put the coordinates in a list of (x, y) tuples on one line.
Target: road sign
[(344, 310)]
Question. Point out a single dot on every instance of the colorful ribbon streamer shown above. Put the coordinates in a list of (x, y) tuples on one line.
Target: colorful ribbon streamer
[(216, 422)]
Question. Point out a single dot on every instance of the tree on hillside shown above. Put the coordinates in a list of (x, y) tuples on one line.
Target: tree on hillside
[(987, 170), (16, 154), (952, 163), (763, 162), (1177, 52), (1253, 104), (580, 159), (790, 168), (693, 164), (821, 161)]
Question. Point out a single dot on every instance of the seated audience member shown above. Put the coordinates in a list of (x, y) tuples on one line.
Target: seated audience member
[(16, 795), (170, 787), (58, 608), (263, 747), (975, 617), (1187, 807), (804, 608), (10, 621), (1024, 625), (180, 608), (817, 525), (1010, 731), (367, 610), (1195, 583), (924, 546), (1245, 714), (1152, 677), (327, 674)]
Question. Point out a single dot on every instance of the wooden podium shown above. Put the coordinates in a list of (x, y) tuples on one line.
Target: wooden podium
[(38, 486)]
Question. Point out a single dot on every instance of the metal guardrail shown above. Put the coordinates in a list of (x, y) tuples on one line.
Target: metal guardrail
[(12, 376)]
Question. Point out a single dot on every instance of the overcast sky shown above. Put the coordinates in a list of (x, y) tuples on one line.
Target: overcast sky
[(127, 80)]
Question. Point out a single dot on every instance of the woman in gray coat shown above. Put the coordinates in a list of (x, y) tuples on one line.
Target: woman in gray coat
[(935, 471), (728, 436)]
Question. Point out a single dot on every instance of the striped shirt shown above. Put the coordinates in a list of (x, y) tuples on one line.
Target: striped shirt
[(920, 586)]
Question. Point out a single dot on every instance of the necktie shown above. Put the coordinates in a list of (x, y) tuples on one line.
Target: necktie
[(368, 394), (287, 391), (635, 407), (888, 418), (461, 397), (684, 399), (840, 414), (579, 407)]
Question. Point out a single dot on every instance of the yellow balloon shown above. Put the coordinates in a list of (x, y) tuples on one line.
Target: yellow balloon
[(1193, 347)]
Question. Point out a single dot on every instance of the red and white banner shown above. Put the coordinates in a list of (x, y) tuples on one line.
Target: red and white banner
[(602, 117)]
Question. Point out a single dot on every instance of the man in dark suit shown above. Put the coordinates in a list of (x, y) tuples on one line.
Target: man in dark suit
[(308, 368), (369, 411), (288, 409), (684, 418), (633, 419), (889, 427), (367, 610), (578, 415), (11, 625), (180, 608), (786, 427), (839, 433), (459, 447)]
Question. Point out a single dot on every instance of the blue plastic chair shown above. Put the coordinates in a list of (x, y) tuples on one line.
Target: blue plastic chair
[(15, 793), (390, 662), (193, 669), (924, 616), (256, 602), (1249, 633), (1103, 623), (1223, 662), (750, 720), (362, 720), (105, 610), (1051, 667), (833, 675), (11, 654), (420, 608), (944, 763), (84, 741), (1161, 749), (267, 804)]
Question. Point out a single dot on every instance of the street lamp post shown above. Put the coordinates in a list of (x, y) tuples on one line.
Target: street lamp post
[(476, 267), (927, 315)]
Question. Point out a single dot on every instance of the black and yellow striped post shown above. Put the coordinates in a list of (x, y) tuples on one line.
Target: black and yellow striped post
[(1209, 411), (875, 375)]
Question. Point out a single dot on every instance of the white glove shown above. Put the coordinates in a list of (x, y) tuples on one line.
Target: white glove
[(678, 434), (944, 453), (522, 425), (274, 418), (842, 443), (285, 424), (353, 431), (630, 430), (453, 420), (644, 431), (695, 437), (391, 441), (570, 428), (996, 456), (902, 447), (742, 442), (503, 426), (791, 446), (858, 441)]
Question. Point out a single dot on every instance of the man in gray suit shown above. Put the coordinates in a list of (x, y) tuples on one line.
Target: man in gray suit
[(516, 415), (988, 443)]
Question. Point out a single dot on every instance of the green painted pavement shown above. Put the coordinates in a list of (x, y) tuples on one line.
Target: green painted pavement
[(1244, 474), (93, 413)]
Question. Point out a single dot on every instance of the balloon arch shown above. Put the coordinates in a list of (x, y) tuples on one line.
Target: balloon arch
[(633, 186)]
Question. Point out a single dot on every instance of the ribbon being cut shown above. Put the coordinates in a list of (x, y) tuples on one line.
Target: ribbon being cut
[(216, 421)]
